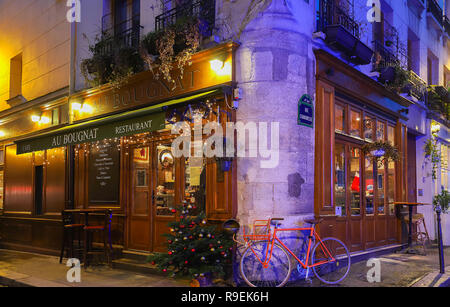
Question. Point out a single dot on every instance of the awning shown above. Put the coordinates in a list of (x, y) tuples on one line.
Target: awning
[(115, 126)]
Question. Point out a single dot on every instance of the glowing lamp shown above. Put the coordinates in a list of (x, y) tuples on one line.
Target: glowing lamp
[(44, 120), (35, 118), (76, 106), (435, 128), (2, 134), (86, 108), (221, 68)]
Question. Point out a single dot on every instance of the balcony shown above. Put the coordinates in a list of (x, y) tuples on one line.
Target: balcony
[(125, 34), (417, 87), (438, 101), (435, 12), (447, 25), (342, 31), (384, 57), (203, 10)]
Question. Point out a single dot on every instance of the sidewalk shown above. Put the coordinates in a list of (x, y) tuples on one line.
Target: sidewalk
[(397, 270), (26, 269), (400, 270)]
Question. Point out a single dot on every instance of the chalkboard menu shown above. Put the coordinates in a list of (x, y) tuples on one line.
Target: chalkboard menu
[(103, 173)]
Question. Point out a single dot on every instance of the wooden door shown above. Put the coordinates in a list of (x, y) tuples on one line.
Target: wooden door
[(140, 202)]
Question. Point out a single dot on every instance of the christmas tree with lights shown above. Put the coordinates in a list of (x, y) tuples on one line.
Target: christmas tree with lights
[(194, 248)]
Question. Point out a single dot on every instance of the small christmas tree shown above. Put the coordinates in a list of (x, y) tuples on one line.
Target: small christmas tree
[(193, 247)]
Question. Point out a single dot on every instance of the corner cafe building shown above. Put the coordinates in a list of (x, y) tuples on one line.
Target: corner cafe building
[(111, 148)]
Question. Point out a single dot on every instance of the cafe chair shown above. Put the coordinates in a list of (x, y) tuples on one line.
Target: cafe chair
[(419, 232), (70, 230), (103, 230)]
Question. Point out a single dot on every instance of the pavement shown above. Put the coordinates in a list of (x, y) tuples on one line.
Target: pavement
[(20, 269), (397, 270)]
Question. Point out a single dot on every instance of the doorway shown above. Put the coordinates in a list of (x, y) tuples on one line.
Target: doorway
[(152, 186)]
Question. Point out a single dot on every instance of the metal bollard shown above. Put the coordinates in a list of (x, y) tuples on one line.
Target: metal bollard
[(440, 245)]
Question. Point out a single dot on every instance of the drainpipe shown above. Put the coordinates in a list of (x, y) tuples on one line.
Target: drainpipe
[(70, 156)]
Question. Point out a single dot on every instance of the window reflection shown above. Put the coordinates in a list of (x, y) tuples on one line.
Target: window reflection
[(355, 183), (339, 180), (380, 186), (381, 128)]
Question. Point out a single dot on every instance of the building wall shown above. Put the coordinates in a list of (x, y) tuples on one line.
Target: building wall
[(39, 30)]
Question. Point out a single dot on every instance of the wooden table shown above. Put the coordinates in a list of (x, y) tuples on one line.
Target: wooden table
[(410, 205)]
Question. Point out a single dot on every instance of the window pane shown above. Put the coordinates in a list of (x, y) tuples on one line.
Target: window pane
[(195, 183), (380, 186), (368, 128), (381, 128), (355, 125), (339, 118), (391, 135), (390, 187), (339, 180), (368, 186), (165, 185), (355, 183)]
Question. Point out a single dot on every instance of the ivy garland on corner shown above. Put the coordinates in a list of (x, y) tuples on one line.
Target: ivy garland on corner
[(381, 152)]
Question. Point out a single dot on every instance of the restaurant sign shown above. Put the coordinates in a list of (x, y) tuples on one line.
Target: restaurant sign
[(91, 132)]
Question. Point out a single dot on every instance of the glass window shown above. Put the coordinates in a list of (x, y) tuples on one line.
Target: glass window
[(339, 180), (380, 187), (165, 181), (369, 125), (369, 185), (381, 129), (355, 123), (354, 182), (444, 166), (339, 118), (195, 183), (1, 190), (390, 175)]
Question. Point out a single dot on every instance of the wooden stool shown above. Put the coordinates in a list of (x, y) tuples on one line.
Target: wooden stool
[(89, 231), (420, 232), (69, 231)]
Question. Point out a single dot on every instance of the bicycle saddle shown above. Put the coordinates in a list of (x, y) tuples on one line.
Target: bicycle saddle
[(313, 221)]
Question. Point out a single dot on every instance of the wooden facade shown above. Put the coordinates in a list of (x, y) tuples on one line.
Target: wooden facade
[(32, 218), (357, 196)]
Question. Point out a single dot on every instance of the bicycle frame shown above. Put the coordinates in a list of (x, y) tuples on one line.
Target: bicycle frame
[(313, 234)]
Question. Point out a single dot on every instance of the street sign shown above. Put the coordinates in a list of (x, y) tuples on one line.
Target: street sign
[(306, 111)]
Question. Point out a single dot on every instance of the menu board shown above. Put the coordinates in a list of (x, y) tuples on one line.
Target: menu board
[(103, 173)]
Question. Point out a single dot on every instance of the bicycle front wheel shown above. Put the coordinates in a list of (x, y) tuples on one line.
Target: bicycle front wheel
[(330, 260), (277, 272)]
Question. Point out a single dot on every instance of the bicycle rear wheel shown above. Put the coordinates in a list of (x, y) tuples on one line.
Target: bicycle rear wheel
[(275, 275), (330, 271)]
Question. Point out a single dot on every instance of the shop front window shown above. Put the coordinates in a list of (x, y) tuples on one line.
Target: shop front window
[(339, 180), (369, 186), (390, 175), (195, 184), (354, 182), (165, 181)]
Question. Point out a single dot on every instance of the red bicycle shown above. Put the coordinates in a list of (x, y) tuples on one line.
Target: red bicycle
[(266, 260)]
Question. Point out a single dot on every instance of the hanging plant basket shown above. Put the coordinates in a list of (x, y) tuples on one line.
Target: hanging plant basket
[(381, 152)]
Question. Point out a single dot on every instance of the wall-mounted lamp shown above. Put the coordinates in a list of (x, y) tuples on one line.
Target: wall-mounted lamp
[(220, 67), (40, 119), (435, 127), (2, 134), (81, 107)]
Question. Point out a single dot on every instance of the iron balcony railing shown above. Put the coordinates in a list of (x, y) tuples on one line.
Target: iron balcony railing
[(125, 34), (434, 8), (383, 57), (330, 13), (417, 86), (203, 10), (447, 25)]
